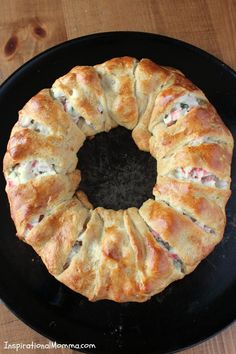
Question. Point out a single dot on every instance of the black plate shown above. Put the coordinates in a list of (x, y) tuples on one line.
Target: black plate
[(188, 311)]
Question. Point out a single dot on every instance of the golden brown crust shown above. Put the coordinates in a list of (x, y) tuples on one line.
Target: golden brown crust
[(82, 89), (82, 271), (33, 198), (84, 199), (214, 158), (189, 241), (117, 78), (56, 234), (149, 78), (193, 200), (44, 109), (116, 258), (124, 255), (155, 263), (200, 122), (174, 88)]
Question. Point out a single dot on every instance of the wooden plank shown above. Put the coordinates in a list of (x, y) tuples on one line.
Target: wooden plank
[(208, 24), (26, 29)]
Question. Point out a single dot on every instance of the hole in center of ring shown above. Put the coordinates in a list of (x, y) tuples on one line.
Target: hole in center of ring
[(115, 173)]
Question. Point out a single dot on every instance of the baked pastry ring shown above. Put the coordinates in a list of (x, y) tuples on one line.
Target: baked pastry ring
[(125, 255)]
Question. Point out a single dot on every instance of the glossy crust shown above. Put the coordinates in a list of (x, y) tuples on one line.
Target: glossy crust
[(124, 255)]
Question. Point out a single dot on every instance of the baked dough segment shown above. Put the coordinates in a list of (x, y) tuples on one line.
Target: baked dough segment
[(156, 266), (82, 273), (203, 205), (176, 88), (190, 242), (82, 96), (214, 158), (122, 275), (27, 145), (84, 199), (44, 136), (200, 125), (117, 79), (54, 237), (149, 79), (116, 274), (32, 201), (58, 146), (43, 110)]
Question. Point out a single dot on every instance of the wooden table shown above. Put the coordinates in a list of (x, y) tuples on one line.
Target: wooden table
[(27, 27)]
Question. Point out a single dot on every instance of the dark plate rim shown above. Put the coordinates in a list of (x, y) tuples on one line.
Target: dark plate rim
[(194, 344), (159, 37)]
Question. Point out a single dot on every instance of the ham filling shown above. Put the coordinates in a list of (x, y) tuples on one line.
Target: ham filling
[(32, 223), (23, 172), (199, 175), (181, 108)]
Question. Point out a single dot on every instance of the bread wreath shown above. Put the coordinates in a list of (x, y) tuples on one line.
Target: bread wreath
[(125, 255)]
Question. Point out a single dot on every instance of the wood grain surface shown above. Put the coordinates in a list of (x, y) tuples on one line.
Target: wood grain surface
[(27, 27)]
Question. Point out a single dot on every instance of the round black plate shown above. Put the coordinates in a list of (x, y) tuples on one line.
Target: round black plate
[(185, 313)]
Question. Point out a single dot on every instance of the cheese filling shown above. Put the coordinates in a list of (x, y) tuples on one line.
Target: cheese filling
[(68, 108), (181, 108), (199, 175), (23, 172), (205, 140), (27, 122)]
